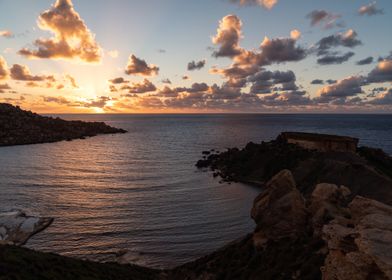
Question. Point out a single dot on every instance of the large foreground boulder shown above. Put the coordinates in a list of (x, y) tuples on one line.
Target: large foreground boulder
[(16, 227), (280, 210)]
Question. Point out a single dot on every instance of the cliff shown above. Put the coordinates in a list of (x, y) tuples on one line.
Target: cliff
[(19, 127)]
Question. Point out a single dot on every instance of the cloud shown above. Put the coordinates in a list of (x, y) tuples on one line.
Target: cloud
[(268, 4), (370, 10), (323, 18), (22, 73), (248, 62), (72, 39), (6, 34), (325, 45), (295, 34), (384, 99), (334, 58), (59, 100), (382, 73), (4, 87), (4, 72), (265, 81), (317, 82), (347, 87), (193, 65), (143, 87), (228, 37), (348, 39), (113, 53), (365, 61), (119, 80), (281, 50), (137, 66), (72, 81), (166, 81), (185, 77)]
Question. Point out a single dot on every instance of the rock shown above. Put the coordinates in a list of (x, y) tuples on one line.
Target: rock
[(16, 227), (361, 249), (327, 203), (19, 127), (279, 211)]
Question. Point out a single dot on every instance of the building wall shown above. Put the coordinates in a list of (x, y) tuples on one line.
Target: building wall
[(324, 145)]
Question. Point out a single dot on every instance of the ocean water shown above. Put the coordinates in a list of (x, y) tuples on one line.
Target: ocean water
[(141, 191)]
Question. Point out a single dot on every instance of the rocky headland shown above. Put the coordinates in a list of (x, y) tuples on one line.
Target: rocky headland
[(19, 127), (319, 215)]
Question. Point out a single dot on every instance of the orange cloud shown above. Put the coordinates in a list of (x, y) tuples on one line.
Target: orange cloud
[(6, 34), (72, 39), (22, 73), (137, 66), (4, 73)]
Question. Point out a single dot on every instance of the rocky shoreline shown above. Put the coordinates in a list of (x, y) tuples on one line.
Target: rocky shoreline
[(19, 127), (320, 215)]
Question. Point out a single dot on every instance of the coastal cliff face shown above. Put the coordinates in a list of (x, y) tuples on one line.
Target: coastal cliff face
[(19, 127)]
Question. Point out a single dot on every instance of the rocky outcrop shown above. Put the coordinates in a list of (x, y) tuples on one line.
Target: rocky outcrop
[(16, 227), (366, 173), (19, 127), (360, 247)]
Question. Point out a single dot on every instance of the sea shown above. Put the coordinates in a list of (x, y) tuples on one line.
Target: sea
[(141, 193)]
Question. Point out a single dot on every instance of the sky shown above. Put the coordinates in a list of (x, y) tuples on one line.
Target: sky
[(205, 56)]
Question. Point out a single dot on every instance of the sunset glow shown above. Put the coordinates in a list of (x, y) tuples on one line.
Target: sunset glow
[(75, 56)]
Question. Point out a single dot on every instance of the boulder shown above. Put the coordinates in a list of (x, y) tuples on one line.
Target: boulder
[(279, 211), (16, 227)]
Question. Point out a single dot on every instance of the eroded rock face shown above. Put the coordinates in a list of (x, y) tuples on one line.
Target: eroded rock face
[(361, 247), (16, 227), (280, 210)]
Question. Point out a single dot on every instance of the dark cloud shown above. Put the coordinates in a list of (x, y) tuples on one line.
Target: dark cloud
[(72, 80), (59, 100), (137, 66), (370, 10), (265, 81), (334, 58), (382, 73), (143, 87), (22, 73), (325, 19), (166, 81), (4, 72), (72, 39), (365, 61), (185, 77), (281, 50), (118, 80), (4, 87), (330, 82), (193, 65), (348, 39), (317, 82), (268, 4), (384, 99), (325, 46)]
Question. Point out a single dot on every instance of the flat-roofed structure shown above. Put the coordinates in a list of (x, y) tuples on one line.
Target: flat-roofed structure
[(321, 142)]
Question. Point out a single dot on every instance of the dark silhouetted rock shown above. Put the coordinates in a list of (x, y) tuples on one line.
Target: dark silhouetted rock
[(19, 127)]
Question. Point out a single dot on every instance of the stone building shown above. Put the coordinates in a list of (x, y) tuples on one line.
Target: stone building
[(321, 142)]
